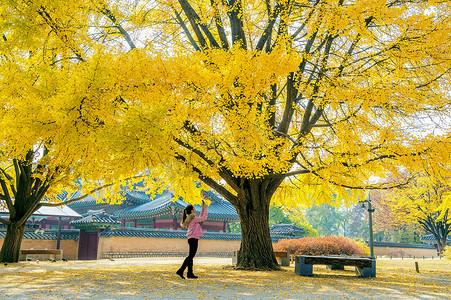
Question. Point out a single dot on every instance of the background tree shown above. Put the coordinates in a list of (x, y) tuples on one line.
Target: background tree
[(56, 108), (326, 219), (388, 227), (277, 215), (357, 222), (421, 203)]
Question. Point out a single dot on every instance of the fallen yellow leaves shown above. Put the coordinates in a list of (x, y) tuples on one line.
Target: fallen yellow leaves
[(150, 279)]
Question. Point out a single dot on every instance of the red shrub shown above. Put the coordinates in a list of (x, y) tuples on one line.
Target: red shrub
[(328, 245)]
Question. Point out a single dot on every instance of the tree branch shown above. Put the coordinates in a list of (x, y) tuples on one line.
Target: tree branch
[(208, 181), (8, 200), (312, 11), (222, 171), (268, 29), (289, 174), (104, 10), (186, 30), (9, 178), (47, 204), (195, 21), (59, 32), (3, 221), (235, 14), (289, 109), (219, 25), (29, 213), (367, 187), (432, 80), (185, 7), (192, 149), (271, 105)]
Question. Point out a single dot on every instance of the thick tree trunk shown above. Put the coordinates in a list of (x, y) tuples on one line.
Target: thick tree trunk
[(441, 244), (12, 242), (256, 251)]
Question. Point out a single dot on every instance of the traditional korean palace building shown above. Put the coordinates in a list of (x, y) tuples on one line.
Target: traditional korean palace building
[(430, 239), (139, 210), (150, 226), (287, 230)]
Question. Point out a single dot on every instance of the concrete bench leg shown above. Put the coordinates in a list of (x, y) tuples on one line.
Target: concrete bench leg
[(58, 256), (283, 261), (22, 257), (234, 257), (367, 272), (301, 268)]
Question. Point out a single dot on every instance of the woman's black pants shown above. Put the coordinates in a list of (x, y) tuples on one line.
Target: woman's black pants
[(188, 262)]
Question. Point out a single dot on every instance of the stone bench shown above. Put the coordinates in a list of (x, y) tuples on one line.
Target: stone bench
[(364, 266), (283, 257), (56, 254)]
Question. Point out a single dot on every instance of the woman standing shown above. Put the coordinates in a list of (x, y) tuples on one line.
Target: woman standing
[(190, 221)]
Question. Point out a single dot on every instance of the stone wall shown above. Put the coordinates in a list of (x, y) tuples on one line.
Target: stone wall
[(405, 252), (69, 247), (133, 246), (136, 246)]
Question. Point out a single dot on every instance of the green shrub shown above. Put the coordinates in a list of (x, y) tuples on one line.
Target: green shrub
[(328, 245)]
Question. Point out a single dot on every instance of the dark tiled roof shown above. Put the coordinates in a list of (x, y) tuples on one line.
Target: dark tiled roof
[(62, 196), (400, 245), (96, 217), (219, 208), (175, 234), (149, 208), (431, 238), (286, 229), (87, 201), (137, 197), (47, 234)]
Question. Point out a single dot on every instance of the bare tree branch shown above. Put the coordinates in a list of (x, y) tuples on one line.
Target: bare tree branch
[(186, 30), (219, 25), (209, 181), (195, 22), (3, 221), (236, 23), (268, 29), (104, 10), (8, 200)]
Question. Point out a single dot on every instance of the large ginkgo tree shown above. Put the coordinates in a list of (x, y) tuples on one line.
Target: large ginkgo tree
[(262, 101), (287, 100)]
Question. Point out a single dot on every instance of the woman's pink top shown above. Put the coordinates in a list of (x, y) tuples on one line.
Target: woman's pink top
[(194, 227)]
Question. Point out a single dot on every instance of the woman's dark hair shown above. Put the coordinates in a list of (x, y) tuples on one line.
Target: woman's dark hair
[(187, 211)]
